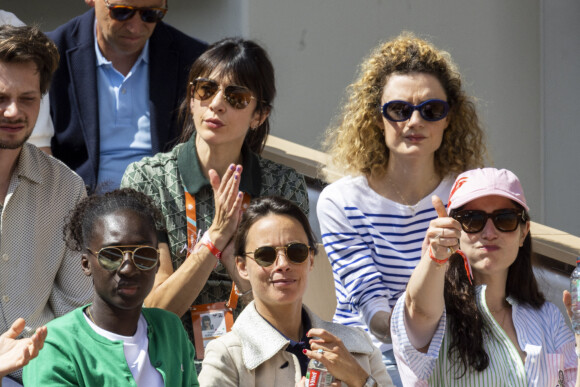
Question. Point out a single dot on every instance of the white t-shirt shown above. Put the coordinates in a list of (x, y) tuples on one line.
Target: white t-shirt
[(136, 353)]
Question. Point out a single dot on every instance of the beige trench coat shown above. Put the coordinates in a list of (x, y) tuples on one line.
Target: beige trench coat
[(253, 354)]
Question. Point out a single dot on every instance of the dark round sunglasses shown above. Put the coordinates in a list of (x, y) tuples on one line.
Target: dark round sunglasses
[(237, 96), (505, 219), (430, 110), (266, 255), (111, 257), (126, 12)]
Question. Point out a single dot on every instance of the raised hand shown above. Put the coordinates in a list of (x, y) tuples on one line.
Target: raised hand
[(228, 205), (15, 354)]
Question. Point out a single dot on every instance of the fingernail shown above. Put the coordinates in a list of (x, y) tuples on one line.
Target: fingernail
[(232, 167), (236, 176), (304, 351), (239, 168), (240, 194)]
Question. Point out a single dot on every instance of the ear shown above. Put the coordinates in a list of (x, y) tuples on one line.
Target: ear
[(311, 259), (242, 268), (259, 117), (90, 3), (86, 265), (524, 232)]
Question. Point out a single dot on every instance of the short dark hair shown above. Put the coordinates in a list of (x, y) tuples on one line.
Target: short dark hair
[(29, 44), (78, 230), (266, 205), (245, 63)]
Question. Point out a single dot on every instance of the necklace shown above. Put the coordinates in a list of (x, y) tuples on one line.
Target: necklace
[(504, 310), (90, 315), (406, 202)]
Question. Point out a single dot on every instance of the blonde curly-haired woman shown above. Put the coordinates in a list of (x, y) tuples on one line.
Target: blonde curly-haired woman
[(406, 131)]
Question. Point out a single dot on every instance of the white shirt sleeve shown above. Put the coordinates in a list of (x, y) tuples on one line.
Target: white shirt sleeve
[(44, 129)]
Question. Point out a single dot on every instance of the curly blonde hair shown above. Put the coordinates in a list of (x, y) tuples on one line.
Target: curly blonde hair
[(357, 142)]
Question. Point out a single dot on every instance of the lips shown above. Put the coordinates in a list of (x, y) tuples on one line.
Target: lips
[(414, 137), (214, 123), (489, 248), (127, 288), (11, 127), (283, 281)]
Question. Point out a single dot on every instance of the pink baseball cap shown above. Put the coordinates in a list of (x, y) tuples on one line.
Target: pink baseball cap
[(477, 183)]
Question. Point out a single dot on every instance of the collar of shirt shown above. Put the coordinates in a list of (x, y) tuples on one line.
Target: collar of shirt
[(102, 61), (296, 347), (26, 165), (194, 179)]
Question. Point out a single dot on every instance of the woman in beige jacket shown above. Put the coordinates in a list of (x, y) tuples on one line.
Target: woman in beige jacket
[(275, 336)]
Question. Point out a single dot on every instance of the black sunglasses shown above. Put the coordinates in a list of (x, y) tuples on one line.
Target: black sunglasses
[(126, 12), (505, 219), (111, 257), (266, 255), (237, 96), (430, 110)]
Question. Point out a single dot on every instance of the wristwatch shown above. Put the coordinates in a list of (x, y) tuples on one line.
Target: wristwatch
[(371, 382)]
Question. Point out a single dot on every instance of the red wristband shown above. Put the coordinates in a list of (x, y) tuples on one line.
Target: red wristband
[(439, 261), (206, 241)]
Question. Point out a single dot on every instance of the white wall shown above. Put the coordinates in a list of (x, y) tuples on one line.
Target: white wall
[(561, 83), (517, 57)]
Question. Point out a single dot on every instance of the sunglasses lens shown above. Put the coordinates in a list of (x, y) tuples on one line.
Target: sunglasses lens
[(121, 13), (297, 252), (237, 96), (152, 15), (434, 110), (397, 110), (204, 89), (110, 258), (506, 221), (145, 258), (265, 255), (471, 221)]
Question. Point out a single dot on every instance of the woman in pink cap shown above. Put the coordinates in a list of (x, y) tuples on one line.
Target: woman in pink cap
[(493, 328)]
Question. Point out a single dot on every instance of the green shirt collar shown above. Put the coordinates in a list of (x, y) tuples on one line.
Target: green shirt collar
[(194, 180)]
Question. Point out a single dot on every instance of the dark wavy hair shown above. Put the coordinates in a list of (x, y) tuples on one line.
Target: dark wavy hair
[(244, 63), (466, 323), (29, 44), (266, 205), (79, 226)]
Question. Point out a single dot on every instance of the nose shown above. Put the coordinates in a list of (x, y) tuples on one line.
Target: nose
[(135, 23), (282, 262), (489, 231), (415, 118), (218, 101), (127, 266), (10, 109)]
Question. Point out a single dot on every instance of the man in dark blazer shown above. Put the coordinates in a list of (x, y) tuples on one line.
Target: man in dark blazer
[(122, 29)]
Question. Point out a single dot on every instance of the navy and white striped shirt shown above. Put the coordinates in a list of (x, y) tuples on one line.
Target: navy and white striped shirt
[(542, 334), (373, 245)]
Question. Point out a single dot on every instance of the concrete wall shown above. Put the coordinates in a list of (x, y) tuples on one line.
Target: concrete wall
[(561, 134), (517, 57)]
